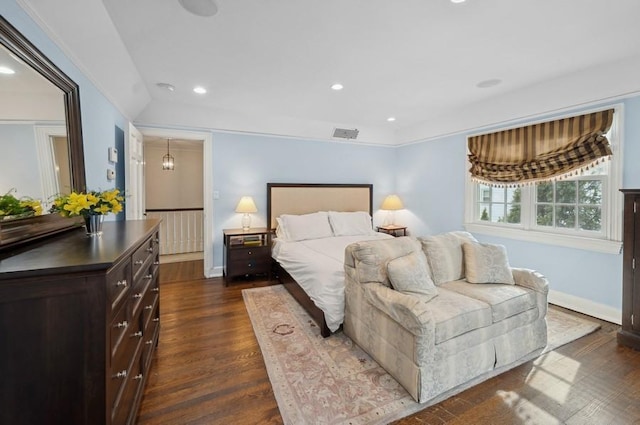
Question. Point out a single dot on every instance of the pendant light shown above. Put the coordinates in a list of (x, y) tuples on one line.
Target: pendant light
[(167, 160)]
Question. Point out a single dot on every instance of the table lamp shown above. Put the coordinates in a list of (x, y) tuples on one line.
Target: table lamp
[(246, 206), (391, 203)]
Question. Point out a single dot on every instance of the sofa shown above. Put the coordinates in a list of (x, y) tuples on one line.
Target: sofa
[(441, 313)]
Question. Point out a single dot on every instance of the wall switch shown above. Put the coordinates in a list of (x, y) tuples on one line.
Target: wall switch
[(113, 155), (111, 174)]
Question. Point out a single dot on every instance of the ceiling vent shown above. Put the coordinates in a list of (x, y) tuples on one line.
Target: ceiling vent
[(345, 133)]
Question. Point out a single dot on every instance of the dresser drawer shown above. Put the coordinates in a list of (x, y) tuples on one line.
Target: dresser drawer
[(122, 361), (120, 325), (118, 283), (151, 334), (149, 305), (120, 407), (249, 266), (144, 256), (241, 254)]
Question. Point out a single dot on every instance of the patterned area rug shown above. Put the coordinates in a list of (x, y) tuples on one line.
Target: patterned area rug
[(331, 380)]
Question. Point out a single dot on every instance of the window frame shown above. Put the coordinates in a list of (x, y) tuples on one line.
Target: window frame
[(609, 240)]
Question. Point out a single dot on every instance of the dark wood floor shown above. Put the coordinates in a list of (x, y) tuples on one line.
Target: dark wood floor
[(208, 369)]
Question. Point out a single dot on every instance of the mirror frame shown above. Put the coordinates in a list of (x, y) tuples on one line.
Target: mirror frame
[(19, 231)]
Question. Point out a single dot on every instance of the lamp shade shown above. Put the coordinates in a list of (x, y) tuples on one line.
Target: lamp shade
[(392, 203), (246, 205)]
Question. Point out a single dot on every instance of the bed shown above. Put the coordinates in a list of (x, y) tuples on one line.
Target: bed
[(313, 224)]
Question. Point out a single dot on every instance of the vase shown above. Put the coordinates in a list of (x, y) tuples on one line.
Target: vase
[(93, 224)]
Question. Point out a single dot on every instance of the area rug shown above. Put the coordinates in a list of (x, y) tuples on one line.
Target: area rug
[(331, 380)]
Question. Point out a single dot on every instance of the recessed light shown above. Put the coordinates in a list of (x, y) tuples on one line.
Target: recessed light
[(391, 119), (457, 1), (166, 86), (488, 83), (6, 70), (199, 90), (337, 86)]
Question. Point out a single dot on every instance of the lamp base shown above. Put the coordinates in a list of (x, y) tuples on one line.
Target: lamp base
[(246, 222), (389, 220)]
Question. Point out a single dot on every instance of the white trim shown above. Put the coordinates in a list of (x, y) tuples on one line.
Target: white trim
[(207, 184), (569, 241), (46, 160), (216, 272), (585, 306)]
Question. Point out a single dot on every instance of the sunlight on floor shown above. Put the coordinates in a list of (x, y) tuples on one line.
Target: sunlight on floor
[(529, 413)]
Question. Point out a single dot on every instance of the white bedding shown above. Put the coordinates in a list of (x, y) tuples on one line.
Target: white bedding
[(318, 267)]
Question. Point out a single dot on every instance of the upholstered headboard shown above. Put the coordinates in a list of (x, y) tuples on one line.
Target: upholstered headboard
[(301, 198)]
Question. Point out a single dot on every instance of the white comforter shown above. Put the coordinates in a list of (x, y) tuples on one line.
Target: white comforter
[(318, 267)]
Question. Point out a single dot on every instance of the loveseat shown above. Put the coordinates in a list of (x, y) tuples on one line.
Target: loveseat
[(409, 303)]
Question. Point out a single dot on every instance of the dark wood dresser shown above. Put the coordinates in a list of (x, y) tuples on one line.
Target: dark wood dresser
[(629, 334), (79, 321)]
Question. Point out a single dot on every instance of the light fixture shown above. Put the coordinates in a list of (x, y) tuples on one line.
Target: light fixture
[(457, 1), (6, 70), (246, 206), (199, 90), (391, 203), (167, 160), (166, 86), (337, 86), (200, 7), (391, 119)]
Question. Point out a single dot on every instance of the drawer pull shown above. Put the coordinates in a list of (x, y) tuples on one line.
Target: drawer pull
[(139, 333), (148, 307), (149, 342), (138, 376), (155, 289), (120, 375), (150, 249), (122, 282), (156, 263), (157, 240), (157, 319), (138, 262), (249, 253), (138, 295), (149, 276), (122, 324)]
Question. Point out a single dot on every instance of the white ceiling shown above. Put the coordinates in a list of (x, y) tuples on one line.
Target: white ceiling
[(268, 64)]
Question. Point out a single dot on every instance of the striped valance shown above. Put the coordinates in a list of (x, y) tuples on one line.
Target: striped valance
[(539, 152)]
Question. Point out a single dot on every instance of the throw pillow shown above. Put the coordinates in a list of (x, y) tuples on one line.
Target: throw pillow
[(487, 263), (444, 253), (410, 274)]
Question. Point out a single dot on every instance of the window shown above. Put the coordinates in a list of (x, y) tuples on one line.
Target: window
[(583, 211)]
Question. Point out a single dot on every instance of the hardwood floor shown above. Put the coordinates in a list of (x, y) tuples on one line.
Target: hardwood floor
[(208, 369)]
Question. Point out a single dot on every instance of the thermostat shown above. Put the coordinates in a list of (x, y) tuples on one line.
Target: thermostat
[(111, 174), (113, 155)]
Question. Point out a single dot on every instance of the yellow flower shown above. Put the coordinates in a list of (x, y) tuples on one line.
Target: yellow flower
[(90, 203)]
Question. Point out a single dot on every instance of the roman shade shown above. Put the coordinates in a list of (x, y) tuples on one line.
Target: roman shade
[(540, 152)]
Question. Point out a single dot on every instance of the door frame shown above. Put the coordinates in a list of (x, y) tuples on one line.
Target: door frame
[(207, 184)]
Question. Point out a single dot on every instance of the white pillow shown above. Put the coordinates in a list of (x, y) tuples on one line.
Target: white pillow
[(306, 226), (486, 263), (410, 274), (350, 223), (281, 232)]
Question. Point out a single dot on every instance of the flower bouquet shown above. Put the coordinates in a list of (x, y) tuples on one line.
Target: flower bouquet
[(92, 206), (12, 207)]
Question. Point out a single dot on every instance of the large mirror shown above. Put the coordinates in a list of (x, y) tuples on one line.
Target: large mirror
[(40, 135)]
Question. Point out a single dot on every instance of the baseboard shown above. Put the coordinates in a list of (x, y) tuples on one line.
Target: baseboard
[(585, 306), (214, 272)]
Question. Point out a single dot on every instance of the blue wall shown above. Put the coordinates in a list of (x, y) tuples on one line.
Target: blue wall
[(244, 164)]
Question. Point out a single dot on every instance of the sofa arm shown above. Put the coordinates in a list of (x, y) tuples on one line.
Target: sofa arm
[(531, 279), (409, 311)]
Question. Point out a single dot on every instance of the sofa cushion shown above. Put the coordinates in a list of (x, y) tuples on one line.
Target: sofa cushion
[(410, 274), (371, 257), (505, 300), (455, 314), (444, 253), (486, 263)]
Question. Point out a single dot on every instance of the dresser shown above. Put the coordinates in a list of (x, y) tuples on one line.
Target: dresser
[(79, 322), (629, 334)]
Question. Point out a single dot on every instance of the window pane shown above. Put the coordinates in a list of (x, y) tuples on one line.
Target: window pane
[(590, 192), (497, 213), (483, 211), (513, 215), (544, 192), (544, 215), (566, 192), (484, 193), (497, 194), (514, 194), (590, 218), (566, 217)]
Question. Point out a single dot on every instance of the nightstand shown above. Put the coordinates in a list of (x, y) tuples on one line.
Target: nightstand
[(246, 253), (393, 229)]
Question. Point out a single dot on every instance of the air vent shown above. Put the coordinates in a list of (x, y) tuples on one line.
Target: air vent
[(345, 133)]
